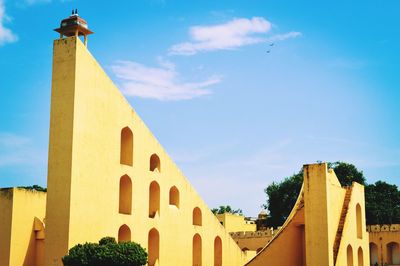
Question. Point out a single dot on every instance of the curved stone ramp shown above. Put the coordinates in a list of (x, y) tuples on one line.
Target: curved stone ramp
[(287, 246)]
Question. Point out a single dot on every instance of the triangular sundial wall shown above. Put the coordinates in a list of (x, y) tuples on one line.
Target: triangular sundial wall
[(93, 191)]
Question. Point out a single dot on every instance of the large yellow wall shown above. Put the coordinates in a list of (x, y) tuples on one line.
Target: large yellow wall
[(319, 235), (87, 116), (324, 200), (287, 247), (20, 245)]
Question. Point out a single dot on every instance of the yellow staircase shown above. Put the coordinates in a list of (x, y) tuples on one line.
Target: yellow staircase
[(343, 215)]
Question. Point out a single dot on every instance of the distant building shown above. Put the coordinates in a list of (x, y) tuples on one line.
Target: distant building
[(236, 222), (384, 244)]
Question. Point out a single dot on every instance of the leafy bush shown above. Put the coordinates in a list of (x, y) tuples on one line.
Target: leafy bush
[(107, 253), (107, 240)]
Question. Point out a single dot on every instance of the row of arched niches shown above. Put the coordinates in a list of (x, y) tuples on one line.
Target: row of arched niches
[(125, 207)]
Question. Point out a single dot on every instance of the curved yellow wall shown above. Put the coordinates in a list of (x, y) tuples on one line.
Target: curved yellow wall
[(324, 217)]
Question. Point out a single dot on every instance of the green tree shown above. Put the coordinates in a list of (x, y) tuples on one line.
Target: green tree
[(347, 173), (281, 196), (382, 203), (35, 187), (223, 209), (107, 253)]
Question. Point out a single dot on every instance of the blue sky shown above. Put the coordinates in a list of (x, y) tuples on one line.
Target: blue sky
[(233, 116)]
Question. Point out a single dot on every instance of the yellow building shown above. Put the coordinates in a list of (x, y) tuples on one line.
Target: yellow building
[(22, 213), (384, 244), (235, 222), (109, 176)]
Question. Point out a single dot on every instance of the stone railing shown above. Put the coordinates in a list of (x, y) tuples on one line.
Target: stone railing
[(256, 234), (383, 228)]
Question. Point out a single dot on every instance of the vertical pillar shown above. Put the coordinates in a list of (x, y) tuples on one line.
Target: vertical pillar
[(318, 250)]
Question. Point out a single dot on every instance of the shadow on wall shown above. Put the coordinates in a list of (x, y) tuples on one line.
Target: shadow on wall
[(30, 253)]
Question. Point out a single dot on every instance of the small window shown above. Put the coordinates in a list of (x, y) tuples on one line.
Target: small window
[(124, 234), (125, 195), (350, 259), (154, 199), (360, 257), (196, 250), (174, 196), (359, 221), (155, 163), (197, 219), (373, 251), (126, 152), (154, 247), (217, 251), (393, 253)]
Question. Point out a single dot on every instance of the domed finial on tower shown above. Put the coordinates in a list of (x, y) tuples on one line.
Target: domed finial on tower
[(74, 26)]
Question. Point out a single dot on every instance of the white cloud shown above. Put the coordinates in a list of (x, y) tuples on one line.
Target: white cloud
[(285, 36), (233, 34), (161, 83), (6, 35)]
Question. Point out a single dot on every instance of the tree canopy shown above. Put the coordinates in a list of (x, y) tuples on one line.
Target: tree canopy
[(347, 173), (106, 253), (281, 198), (223, 209), (382, 203), (35, 187), (382, 199)]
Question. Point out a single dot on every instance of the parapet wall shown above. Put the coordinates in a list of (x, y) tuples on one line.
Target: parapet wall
[(256, 234), (271, 231), (383, 228)]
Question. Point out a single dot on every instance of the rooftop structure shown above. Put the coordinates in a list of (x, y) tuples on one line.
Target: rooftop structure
[(74, 25)]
